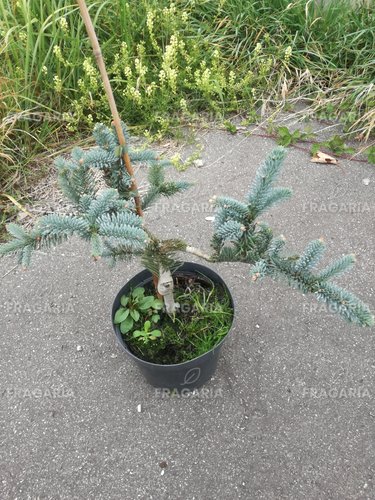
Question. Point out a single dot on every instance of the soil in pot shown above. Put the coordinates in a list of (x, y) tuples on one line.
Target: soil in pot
[(205, 316)]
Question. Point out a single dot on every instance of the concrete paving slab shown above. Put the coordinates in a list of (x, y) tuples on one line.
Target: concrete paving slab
[(290, 413)]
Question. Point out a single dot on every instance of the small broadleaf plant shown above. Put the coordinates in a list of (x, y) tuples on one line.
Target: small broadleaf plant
[(135, 307), (146, 334)]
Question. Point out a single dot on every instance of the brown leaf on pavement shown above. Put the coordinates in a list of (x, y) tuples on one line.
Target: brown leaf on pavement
[(320, 157)]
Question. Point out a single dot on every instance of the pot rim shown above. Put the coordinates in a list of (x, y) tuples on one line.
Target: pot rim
[(124, 345)]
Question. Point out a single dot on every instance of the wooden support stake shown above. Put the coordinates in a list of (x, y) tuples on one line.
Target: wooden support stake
[(111, 100)]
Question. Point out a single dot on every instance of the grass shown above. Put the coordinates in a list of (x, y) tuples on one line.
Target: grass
[(170, 61)]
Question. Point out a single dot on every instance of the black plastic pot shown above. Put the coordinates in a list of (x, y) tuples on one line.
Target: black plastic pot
[(183, 376)]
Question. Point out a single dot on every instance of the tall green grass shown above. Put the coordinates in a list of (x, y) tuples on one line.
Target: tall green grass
[(332, 61), (166, 60)]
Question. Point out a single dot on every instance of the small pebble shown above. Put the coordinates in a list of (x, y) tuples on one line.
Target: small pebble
[(257, 326), (139, 408), (366, 181), (79, 348), (198, 163)]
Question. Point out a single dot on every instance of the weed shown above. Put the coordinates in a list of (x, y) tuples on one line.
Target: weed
[(370, 153), (137, 307), (335, 144), (230, 127), (285, 137)]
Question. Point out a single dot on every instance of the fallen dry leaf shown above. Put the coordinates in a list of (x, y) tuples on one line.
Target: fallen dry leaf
[(323, 158)]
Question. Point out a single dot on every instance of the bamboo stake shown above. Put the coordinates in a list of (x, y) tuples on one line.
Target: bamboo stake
[(111, 100)]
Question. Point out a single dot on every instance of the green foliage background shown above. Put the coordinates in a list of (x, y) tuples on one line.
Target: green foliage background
[(171, 58)]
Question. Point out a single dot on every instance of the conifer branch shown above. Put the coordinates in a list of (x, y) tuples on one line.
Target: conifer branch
[(238, 237), (338, 299)]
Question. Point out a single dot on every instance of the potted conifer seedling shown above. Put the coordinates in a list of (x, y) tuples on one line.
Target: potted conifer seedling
[(173, 318)]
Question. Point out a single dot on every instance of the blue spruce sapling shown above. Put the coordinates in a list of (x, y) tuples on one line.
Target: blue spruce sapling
[(108, 220)]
